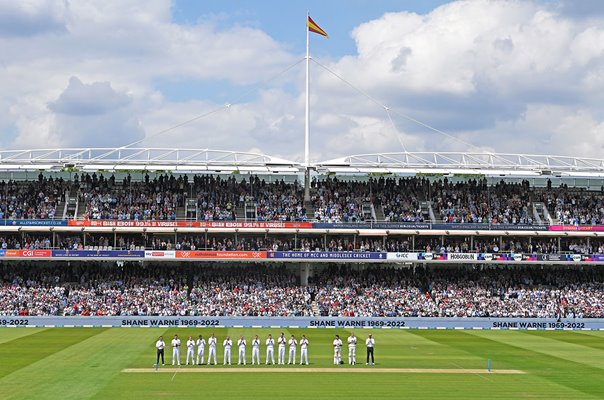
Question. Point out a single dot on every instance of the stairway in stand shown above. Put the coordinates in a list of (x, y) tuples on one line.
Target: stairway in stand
[(315, 308)]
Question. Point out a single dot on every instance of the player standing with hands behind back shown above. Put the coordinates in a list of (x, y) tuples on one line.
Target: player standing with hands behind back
[(370, 343)]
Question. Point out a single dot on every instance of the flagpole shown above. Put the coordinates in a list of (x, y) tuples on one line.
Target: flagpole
[(307, 119)]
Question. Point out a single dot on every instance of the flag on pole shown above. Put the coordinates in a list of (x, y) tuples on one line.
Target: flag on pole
[(313, 27)]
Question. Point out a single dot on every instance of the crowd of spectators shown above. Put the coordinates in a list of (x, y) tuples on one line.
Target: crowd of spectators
[(332, 200), (216, 197), (476, 202), (278, 201), (341, 201), (574, 206), (130, 289), (400, 200), (36, 199), (118, 290), (148, 200), (462, 292), (526, 292)]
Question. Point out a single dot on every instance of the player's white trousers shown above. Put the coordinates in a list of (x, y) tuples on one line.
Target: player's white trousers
[(190, 355), (303, 356), (352, 355), (291, 358), (270, 355), (337, 356), (241, 358), (176, 355), (255, 355), (212, 354), (200, 355), (227, 356), (281, 359)]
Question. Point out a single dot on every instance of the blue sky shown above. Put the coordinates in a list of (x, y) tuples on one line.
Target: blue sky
[(285, 21), (500, 76)]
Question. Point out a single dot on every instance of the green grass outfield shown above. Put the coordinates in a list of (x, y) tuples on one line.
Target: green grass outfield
[(89, 363)]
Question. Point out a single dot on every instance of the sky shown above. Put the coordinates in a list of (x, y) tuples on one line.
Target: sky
[(505, 76)]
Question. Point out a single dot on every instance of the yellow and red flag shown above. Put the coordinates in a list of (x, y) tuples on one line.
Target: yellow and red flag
[(313, 27)]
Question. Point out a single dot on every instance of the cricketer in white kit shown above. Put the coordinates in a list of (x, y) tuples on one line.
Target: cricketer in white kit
[(281, 341), (241, 343), (175, 350), (212, 349), (337, 350), (293, 343), (227, 344), (201, 349), (190, 350), (270, 350), (256, 350), (352, 349), (303, 350)]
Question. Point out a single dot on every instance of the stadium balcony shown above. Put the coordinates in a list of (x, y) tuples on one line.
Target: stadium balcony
[(150, 184)]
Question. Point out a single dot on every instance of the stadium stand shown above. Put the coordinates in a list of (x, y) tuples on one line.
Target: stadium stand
[(109, 289), (333, 200), (93, 288)]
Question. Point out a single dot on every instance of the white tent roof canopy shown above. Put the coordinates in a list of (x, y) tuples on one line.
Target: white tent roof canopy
[(144, 159), (466, 163), (221, 161)]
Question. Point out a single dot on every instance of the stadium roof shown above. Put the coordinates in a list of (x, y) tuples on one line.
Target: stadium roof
[(460, 163), (220, 161), (144, 159)]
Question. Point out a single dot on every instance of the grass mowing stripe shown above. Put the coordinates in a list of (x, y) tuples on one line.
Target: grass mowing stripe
[(9, 334), (320, 386), (24, 351), (599, 334), (506, 349), (82, 369), (589, 341), (550, 346)]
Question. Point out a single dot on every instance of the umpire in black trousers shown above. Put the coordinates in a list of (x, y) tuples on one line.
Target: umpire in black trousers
[(160, 345), (370, 343)]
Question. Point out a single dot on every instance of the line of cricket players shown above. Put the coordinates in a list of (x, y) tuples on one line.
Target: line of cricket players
[(282, 342)]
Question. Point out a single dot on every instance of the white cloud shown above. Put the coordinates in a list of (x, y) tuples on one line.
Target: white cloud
[(88, 99), (32, 17), (473, 67), (514, 76)]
